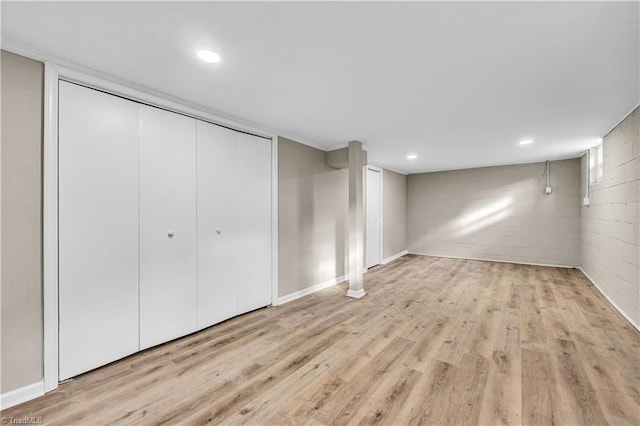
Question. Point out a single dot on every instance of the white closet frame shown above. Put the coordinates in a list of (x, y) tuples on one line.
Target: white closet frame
[(381, 225), (53, 74)]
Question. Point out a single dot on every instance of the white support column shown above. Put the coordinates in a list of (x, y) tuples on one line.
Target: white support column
[(356, 221)]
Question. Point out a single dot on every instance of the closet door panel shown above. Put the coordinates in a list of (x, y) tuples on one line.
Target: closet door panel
[(167, 226), (373, 214), (254, 218), (217, 224), (98, 229)]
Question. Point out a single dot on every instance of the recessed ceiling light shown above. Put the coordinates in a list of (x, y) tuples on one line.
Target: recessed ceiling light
[(209, 56), (412, 156), (526, 142)]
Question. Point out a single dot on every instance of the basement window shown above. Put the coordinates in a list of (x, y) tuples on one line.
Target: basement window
[(596, 164)]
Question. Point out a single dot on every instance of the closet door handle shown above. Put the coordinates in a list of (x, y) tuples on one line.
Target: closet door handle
[(170, 234), (218, 231)]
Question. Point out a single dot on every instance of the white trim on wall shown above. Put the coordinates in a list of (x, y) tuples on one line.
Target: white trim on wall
[(394, 257), (636, 326), (313, 289), (53, 74), (50, 227), (274, 220), (492, 260), (20, 395), (136, 95)]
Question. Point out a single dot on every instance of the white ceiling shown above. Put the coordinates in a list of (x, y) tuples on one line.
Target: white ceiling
[(458, 84)]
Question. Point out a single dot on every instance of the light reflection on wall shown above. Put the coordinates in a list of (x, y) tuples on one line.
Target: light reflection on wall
[(483, 217), (327, 267)]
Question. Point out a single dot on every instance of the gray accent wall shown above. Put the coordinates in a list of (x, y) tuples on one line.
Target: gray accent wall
[(394, 213), (611, 223), (497, 213), (21, 291)]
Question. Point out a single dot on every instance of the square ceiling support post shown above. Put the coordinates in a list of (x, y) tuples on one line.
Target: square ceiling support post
[(356, 220)]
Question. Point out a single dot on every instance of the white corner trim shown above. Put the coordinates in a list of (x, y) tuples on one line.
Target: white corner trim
[(20, 395), (623, 313), (313, 289), (394, 257), (274, 220), (494, 260), (356, 294), (50, 227)]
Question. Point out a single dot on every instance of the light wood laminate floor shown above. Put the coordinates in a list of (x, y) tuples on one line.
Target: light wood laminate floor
[(435, 341)]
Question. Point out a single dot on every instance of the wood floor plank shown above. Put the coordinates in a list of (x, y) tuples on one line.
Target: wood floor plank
[(388, 399), (305, 407), (575, 391), (618, 408), (423, 352), (434, 341), (287, 391), (344, 403), (453, 347), (502, 400), (532, 331), (441, 381)]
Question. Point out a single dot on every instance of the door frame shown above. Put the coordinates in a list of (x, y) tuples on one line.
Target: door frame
[(381, 223), (52, 75)]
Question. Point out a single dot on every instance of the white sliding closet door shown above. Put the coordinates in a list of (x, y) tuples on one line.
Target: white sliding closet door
[(234, 223), (253, 186), (167, 226), (217, 224), (98, 229)]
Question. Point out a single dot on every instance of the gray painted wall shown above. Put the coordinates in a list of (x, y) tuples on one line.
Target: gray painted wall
[(313, 217), (394, 213), (611, 224), (497, 213), (22, 327), (312, 225)]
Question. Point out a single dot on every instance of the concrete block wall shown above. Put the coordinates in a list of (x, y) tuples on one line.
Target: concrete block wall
[(610, 225)]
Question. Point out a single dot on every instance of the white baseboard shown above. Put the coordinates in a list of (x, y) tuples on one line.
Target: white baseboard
[(20, 395), (330, 283), (356, 294), (309, 290), (494, 260), (637, 326), (394, 257)]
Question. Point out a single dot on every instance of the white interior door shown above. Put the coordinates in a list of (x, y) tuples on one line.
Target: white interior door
[(253, 185), (217, 224), (167, 226), (374, 217), (98, 229)]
